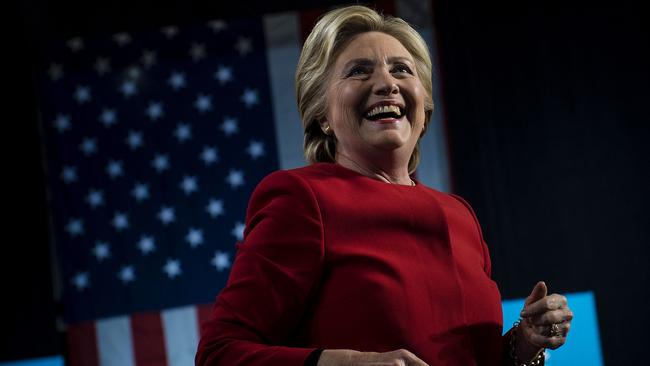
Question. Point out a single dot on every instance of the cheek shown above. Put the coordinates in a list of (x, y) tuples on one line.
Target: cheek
[(418, 96), (343, 102)]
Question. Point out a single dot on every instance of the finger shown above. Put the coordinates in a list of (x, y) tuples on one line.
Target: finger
[(551, 302), (544, 341), (539, 292), (407, 356), (552, 316)]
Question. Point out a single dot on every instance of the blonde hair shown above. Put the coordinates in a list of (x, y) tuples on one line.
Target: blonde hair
[(329, 37)]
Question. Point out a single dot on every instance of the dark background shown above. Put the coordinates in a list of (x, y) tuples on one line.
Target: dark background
[(547, 117)]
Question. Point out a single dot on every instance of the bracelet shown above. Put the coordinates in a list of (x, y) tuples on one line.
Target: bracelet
[(537, 360)]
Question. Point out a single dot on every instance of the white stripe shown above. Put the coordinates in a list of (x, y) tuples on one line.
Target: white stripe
[(434, 162), (282, 52), (114, 342), (181, 335)]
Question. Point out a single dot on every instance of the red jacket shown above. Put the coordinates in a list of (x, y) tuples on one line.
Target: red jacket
[(336, 260)]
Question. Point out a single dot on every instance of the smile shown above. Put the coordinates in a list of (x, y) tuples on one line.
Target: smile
[(384, 111)]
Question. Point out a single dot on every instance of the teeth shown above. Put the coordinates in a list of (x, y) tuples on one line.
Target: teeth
[(384, 109)]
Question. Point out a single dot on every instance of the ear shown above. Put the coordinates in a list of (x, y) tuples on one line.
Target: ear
[(325, 126)]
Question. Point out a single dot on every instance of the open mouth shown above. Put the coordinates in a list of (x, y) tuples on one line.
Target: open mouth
[(385, 111)]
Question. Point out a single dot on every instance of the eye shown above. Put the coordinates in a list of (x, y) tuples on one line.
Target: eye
[(359, 71), (401, 69)]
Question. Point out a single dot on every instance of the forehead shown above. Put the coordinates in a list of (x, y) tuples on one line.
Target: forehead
[(375, 46)]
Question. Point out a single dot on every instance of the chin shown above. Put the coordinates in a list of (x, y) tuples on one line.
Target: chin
[(389, 142)]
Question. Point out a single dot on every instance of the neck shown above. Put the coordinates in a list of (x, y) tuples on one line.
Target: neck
[(387, 171)]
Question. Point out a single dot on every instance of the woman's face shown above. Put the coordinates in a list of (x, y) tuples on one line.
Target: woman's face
[(375, 100)]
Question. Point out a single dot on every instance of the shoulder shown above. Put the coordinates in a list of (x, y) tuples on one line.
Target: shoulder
[(287, 189), (469, 209)]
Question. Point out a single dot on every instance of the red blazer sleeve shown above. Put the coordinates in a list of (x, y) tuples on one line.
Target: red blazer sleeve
[(274, 272)]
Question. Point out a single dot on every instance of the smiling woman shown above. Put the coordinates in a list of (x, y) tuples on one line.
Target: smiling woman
[(325, 46), (351, 261)]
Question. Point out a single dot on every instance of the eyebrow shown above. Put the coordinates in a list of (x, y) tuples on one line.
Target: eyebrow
[(368, 62)]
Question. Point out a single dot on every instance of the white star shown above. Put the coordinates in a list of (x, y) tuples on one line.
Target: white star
[(223, 74), (102, 65), (197, 51), (120, 221), (166, 215), (75, 227), (82, 94), (155, 110), (244, 46), (69, 174), (172, 268), (126, 274), (62, 122), (160, 162), (88, 146), (229, 126), (148, 58), (221, 260), (134, 140), (81, 280), (170, 31), (194, 237), (217, 25), (177, 80), (114, 169), (128, 88), (95, 198), (140, 191), (183, 132), (75, 44), (189, 185), (209, 155), (215, 208), (238, 230), (122, 38), (55, 71), (108, 117), (133, 72), (255, 149), (146, 244), (203, 103), (249, 97), (102, 250), (235, 178)]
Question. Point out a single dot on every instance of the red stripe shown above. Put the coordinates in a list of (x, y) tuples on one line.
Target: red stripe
[(203, 313), (148, 339), (82, 345)]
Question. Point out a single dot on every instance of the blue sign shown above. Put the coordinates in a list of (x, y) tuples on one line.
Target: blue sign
[(45, 361)]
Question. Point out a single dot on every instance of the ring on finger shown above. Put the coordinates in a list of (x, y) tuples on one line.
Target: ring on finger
[(554, 330)]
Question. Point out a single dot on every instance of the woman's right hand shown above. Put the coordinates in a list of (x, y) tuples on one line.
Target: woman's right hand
[(347, 357)]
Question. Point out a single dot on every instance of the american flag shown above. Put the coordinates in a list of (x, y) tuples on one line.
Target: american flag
[(154, 142)]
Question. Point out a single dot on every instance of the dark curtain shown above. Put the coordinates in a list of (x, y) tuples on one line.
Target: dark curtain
[(547, 116)]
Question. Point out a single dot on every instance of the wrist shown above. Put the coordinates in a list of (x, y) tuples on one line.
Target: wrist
[(335, 357), (523, 348), (522, 351)]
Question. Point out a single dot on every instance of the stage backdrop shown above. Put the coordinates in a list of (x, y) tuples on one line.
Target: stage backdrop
[(154, 140)]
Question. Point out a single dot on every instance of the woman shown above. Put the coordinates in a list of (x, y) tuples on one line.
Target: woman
[(350, 261)]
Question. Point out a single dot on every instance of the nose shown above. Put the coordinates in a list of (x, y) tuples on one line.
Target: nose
[(385, 83)]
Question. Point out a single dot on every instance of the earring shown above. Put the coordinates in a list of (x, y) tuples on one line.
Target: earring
[(327, 129)]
